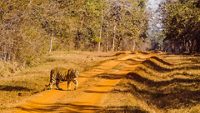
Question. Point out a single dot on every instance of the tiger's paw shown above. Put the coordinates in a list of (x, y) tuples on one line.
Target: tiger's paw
[(59, 89)]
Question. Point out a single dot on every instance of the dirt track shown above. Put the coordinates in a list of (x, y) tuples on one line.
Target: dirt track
[(91, 93)]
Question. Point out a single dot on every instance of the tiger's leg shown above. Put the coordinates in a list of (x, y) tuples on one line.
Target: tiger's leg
[(75, 81), (52, 80), (51, 84), (57, 84), (68, 85)]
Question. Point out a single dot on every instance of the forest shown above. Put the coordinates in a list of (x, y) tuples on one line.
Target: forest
[(31, 28), (181, 26), (40, 26)]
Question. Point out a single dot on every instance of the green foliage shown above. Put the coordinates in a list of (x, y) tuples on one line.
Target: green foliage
[(94, 7), (182, 25), (27, 25), (97, 39)]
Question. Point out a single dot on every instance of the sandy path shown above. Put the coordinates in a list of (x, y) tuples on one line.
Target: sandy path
[(88, 96)]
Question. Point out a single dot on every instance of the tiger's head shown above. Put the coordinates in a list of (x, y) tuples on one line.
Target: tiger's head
[(77, 73)]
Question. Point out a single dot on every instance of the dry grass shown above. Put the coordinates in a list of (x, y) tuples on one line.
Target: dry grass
[(32, 80), (159, 84), (7, 69), (168, 83)]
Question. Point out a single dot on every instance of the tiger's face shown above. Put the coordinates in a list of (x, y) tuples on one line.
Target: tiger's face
[(77, 73)]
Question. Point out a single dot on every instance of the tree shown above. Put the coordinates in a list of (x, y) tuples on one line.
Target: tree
[(182, 26), (31, 28)]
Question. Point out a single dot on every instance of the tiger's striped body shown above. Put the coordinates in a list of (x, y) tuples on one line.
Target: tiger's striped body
[(59, 74)]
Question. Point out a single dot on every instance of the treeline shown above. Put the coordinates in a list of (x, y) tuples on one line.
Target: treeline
[(30, 28), (182, 26)]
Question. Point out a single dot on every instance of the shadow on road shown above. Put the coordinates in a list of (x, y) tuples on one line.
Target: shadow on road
[(13, 88), (74, 108)]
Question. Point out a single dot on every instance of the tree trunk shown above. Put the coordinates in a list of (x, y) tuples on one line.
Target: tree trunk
[(133, 47), (51, 45), (113, 41), (99, 43), (107, 41)]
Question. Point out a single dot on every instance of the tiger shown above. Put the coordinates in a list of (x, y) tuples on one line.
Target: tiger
[(59, 74)]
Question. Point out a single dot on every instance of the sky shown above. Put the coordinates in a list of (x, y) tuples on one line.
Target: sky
[(154, 4), (155, 25)]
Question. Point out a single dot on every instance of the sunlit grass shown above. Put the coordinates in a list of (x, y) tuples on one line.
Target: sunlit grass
[(167, 83)]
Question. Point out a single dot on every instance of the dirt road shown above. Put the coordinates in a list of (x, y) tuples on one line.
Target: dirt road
[(92, 91)]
